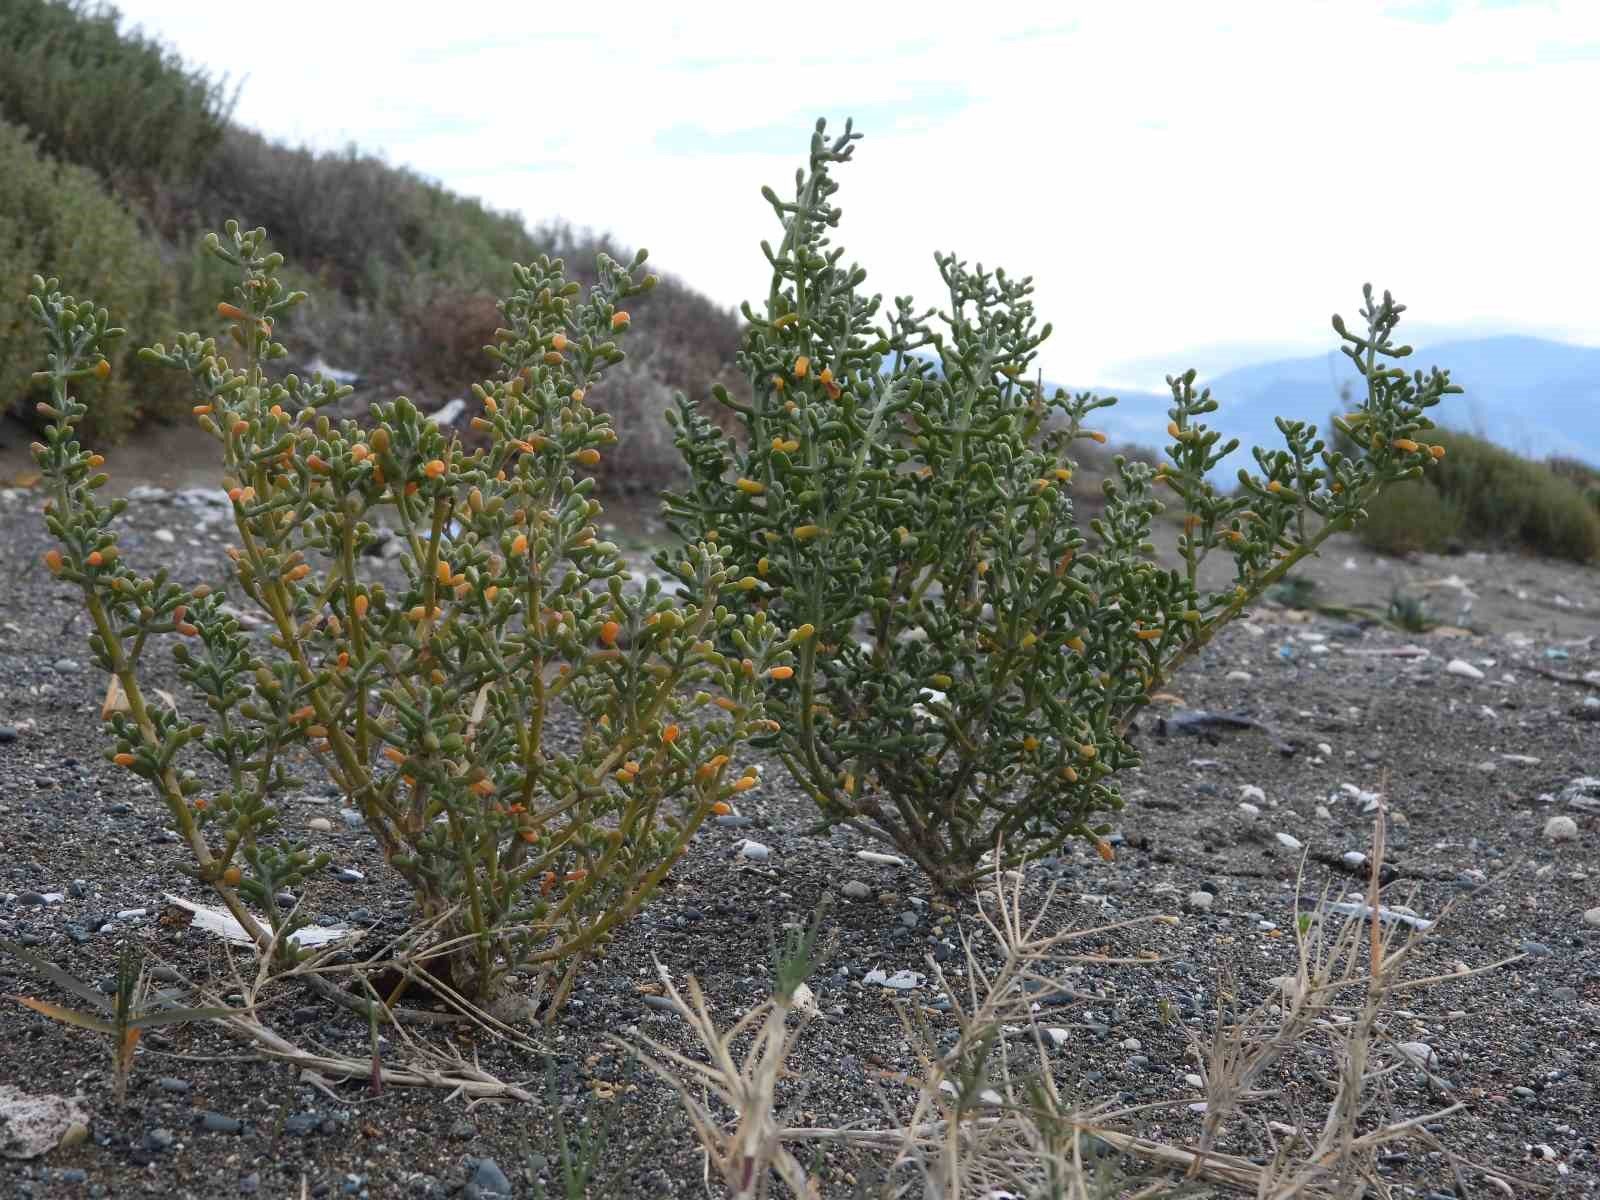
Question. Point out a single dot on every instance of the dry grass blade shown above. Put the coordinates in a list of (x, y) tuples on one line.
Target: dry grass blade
[(745, 1155)]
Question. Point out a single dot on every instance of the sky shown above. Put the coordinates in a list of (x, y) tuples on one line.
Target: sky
[(1189, 184)]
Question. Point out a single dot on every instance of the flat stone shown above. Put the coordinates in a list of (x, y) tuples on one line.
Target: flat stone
[(35, 1125), (1461, 667), (320, 824), (856, 890)]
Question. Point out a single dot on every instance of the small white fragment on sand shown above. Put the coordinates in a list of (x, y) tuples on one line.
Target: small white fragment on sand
[(882, 860), (1253, 794), (1461, 667), (1353, 858), (220, 922), (1057, 1035), (1201, 901), (1386, 915), (753, 850), (1289, 841), (1249, 811)]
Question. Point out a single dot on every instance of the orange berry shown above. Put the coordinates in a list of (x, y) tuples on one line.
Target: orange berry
[(52, 559), (1275, 487), (722, 808), (1406, 445), (608, 633), (620, 320), (360, 606), (359, 452), (589, 456), (558, 341), (315, 462), (781, 672), (96, 558), (750, 487), (303, 714), (297, 573), (434, 469), (669, 734), (97, 460), (201, 410), (102, 369), (802, 367), (187, 630), (394, 755), (1437, 452), (441, 572), (519, 544), (484, 787), (230, 312), (232, 876), (240, 427), (1104, 850), (577, 876), (745, 784), (123, 760)]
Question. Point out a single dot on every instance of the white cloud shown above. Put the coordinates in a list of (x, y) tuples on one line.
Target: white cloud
[(1173, 174)]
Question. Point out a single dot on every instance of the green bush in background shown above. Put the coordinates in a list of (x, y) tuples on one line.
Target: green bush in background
[(63, 215), (120, 104), (1484, 494)]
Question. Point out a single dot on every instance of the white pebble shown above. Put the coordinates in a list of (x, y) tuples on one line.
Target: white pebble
[(754, 851), (1131, 1044), (1289, 841), (1251, 792), (1354, 858), (1194, 1081), (1420, 1053), (1057, 1035), (1238, 677), (1461, 667), (320, 824), (1250, 811), (165, 536), (1592, 918), (882, 860), (1201, 900), (1323, 813), (1324, 749), (856, 890), (1561, 829)]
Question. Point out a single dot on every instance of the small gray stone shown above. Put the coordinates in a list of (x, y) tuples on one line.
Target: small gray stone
[(488, 1180), (1535, 949), (159, 1140), (320, 825), (857, 890), (1201, 901), (1591, 918), (348, 875), (213, 1122), (753, 850)]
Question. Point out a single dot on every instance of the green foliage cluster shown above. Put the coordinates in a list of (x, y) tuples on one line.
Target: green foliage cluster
[(119, 103), (900, 494), (57, 213), (403, 274), (1484, 494), (433, 709)]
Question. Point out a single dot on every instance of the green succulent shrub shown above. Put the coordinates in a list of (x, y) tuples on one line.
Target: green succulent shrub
[(898, 493), (434, 707), (60, 218), (119, 103)]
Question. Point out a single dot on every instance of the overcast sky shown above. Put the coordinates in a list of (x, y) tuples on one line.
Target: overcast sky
[(1189, 183)]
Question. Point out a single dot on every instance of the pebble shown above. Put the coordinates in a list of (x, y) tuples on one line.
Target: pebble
[(159, 1140), (301, 1124), (352, 817), (1253, 794), (900, 981), (165, 536), (1592, 918), (1461, 667), (1249, 811), (855, 889), (753, 850), (320, 824), (1289, 841), (1238, 677), (487, 1180), (348, 875), (1420, 1053), (882, 860), (1535, 949), (1560, 829), (1353, 858), (8, 733), (214, 1122), (1201, 900), (734, 821)]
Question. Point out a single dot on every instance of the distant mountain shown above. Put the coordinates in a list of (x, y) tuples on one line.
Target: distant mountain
[(1533, 396)]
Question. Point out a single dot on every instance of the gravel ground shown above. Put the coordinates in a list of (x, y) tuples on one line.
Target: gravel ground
[(1474, 750)]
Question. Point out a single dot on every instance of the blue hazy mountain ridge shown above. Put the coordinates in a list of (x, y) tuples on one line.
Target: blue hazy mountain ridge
[(1535, 397)]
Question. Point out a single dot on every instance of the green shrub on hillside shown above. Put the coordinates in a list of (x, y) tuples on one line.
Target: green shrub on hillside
[(971, 651), (117, 103), (59, 218), (1484, 493)]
